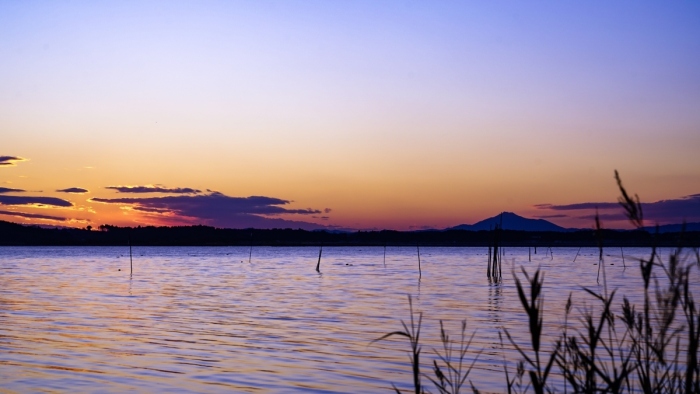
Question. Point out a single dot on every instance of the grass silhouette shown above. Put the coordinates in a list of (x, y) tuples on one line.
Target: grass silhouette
[(648, 348)]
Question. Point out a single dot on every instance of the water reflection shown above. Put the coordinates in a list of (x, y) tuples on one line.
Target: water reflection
[(495, 296), (198, 320)]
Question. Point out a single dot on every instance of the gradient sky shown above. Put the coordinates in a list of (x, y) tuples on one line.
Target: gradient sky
[(348, 114)]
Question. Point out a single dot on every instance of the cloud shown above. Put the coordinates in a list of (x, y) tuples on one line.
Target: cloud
[(560, 215), (676, 210), (219, 210), (10, 160), (151, 210), (75, 190), (154, 189), (34, 216), (583, 205), (38, 201), (613, 217), (9, 190)]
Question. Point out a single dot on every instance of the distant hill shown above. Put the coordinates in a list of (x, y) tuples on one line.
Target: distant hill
[(511, 221)]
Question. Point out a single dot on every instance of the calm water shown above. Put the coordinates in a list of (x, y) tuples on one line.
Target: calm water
[(207, 320)]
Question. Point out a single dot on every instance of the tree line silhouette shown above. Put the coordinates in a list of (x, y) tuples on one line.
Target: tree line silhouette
[(106, 235)]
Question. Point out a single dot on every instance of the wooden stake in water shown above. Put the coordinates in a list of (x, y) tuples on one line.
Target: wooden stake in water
[(500, 261), (488, 265), (600, 262), (529, 254), (420, 274), (250, 253), (318, 265), (579, 251), (494, 261), (131, 259), (623, 257), (384, 255)]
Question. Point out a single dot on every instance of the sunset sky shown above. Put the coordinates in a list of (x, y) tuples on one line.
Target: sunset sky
[(347, 114)]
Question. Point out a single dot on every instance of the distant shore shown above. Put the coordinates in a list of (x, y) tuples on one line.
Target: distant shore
[(12, 234)]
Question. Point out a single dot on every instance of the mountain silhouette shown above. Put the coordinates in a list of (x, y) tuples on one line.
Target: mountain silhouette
[(511, 221)]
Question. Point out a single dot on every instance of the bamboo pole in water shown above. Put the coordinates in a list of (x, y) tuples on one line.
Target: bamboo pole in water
[(579, 251), (250, 253), (600, 262), (385, 255), (623, 258), (488, 265), (318, 265), (500, 261), (131, 258), (495, 260), (420, 274)]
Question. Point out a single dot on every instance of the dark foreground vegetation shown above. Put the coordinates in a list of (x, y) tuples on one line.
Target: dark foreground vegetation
[(612, 346), (15, 234)]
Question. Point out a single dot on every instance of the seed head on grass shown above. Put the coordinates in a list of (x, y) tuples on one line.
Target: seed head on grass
[(632, 206)]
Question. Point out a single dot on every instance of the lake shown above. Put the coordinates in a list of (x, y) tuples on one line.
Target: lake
[(197, 319)]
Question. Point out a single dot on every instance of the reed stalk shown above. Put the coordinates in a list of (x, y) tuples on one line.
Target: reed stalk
[(652, 350), (413, 335), (451, 374), (539, 369)]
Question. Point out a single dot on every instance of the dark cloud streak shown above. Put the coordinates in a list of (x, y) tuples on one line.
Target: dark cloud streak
[(153, 189), (9, 190), (33, 216), (10, 160), (551, 216), (74, 190), (31, 200), (220, 210), (664, 211), (583, 205)]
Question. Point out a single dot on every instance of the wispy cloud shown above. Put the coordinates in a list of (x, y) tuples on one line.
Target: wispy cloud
[(219, 210), (74, 190), (676, 210), (34, 216), (613, 217), (35, 201), (154, 189), (10, 190), (580, 206), (555, 216), (10, 160), (151, 210)]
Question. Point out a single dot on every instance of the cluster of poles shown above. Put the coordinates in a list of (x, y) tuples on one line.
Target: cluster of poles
[(493, 269)]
